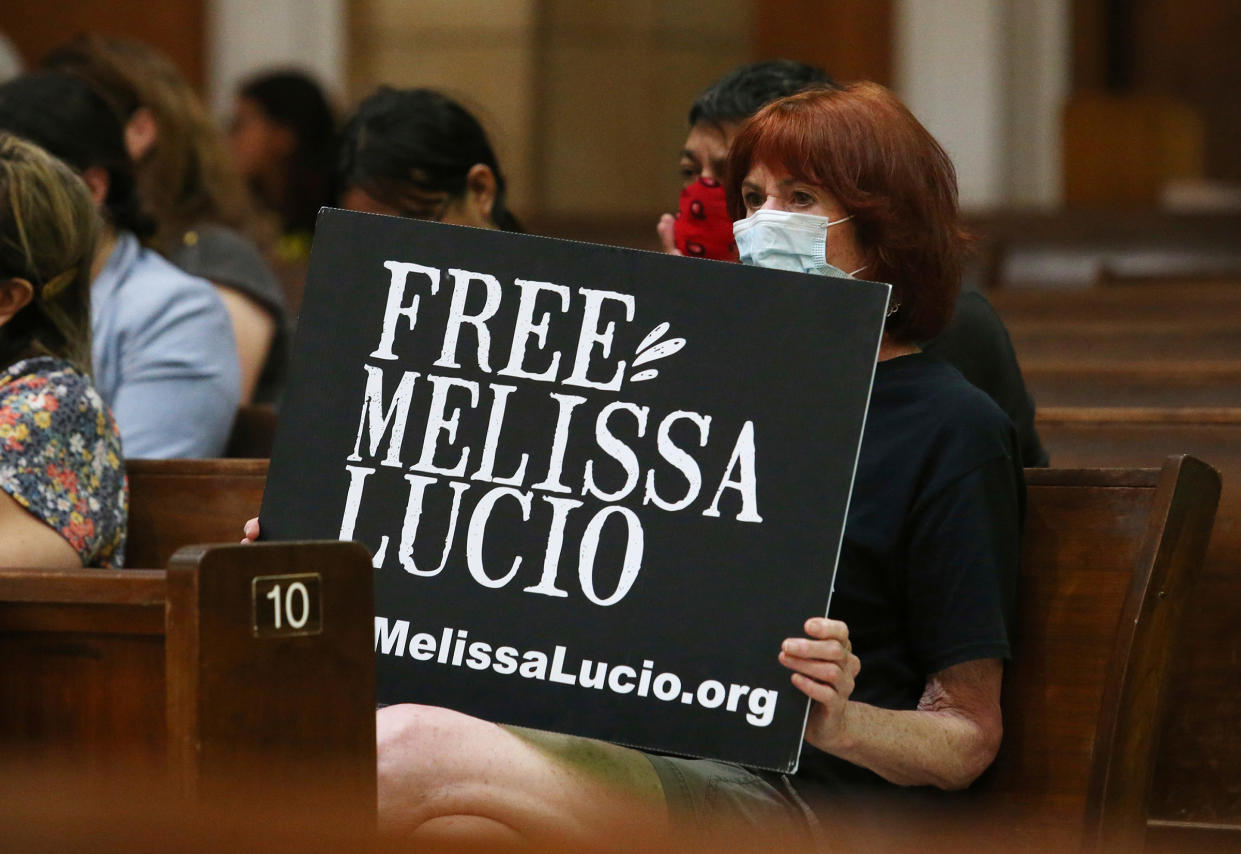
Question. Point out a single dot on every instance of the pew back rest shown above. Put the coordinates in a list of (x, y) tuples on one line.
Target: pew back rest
[(1108, 559), (270, 672), (133, 675), (174, 503), (253, 433), (83, 667)]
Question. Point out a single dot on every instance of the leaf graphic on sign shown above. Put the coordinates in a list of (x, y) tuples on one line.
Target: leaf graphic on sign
[(659, 351), (652, 349), (652, 336)]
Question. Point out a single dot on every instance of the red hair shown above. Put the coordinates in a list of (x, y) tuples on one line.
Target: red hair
[(864, 147)]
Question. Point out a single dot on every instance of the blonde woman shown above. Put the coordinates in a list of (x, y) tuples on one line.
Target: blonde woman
[(63, 494)]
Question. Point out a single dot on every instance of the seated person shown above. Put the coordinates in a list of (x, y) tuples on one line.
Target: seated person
[(282, 137), (975, 341), (165, 360), (63, 497), (905, 677), (417, 153), (186, 180)]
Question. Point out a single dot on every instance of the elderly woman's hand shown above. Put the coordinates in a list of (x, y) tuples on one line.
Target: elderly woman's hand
[(251, 529), (824, 668)]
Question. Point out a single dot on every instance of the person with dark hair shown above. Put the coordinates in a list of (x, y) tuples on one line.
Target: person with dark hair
[(725, 105), (187, 180), (283, 137), (165, 360), (904, 678), (63, 497), (975, 341), (418, 153)]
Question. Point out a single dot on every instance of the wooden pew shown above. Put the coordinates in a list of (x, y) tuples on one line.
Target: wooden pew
[(161, 489), (1197, 795), (182, 676), (1169, 344), (253, 433), (156, 683), (1108, 562), (173, 503), (1125, 341), (1146, 383), (1177, 301), (1108, 558), (1108, 555), (1036, 250)]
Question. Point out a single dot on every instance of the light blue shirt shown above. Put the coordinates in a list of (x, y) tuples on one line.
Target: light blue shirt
[(164, 355)]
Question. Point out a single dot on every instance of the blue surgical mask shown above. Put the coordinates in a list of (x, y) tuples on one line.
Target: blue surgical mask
[(782, 240)]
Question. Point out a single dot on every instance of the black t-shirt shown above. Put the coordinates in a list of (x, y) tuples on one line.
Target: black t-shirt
[(928, 568), (977, 344)]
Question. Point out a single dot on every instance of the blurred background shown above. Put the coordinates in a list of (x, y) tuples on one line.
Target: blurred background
[(1127, 104), (1098, 149)]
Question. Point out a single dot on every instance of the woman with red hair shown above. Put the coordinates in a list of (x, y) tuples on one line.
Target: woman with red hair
[(846, 182), (905, 675)]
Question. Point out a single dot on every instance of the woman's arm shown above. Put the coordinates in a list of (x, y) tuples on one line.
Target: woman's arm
[(26, 541), (254, 328), (180, 381), (947, 741)]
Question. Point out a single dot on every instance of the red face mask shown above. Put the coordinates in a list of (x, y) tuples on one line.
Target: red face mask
[(703, 227)]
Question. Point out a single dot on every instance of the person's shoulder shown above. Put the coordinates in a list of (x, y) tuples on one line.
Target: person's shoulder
[(975, 304), (951, 408), (43, 375), (973, 336), (211, 238), (971, 409), (152, 280), (226, 257), (50, 393), (157, 293)]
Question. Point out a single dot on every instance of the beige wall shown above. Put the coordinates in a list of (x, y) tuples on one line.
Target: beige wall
[(585, 102), (617, 80), (480, 52)]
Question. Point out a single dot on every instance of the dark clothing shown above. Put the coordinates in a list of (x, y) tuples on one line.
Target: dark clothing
[(224, 257), (977, 344), (928, 569), (926, 580)]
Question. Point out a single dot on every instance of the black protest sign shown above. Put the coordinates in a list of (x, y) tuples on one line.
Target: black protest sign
[(600, 485)]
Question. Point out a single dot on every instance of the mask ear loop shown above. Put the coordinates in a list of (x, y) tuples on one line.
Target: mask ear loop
[(821, 243)]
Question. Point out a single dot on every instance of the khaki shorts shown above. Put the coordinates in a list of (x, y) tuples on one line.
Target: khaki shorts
[(707, 797)]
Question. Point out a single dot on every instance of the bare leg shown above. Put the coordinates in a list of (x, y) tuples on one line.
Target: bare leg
[(448, 778)]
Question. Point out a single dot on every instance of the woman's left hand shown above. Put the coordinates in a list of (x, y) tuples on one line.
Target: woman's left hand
[(251, 530), (824, 668)]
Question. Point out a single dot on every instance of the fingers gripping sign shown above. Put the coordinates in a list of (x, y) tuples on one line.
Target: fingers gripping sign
[(824, 668), (251, 531)]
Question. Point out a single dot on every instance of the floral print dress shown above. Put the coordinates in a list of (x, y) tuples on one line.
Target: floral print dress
[(60, 457)]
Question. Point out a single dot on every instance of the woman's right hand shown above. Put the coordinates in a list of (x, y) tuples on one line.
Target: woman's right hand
[(824, 668), (252, 530)]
